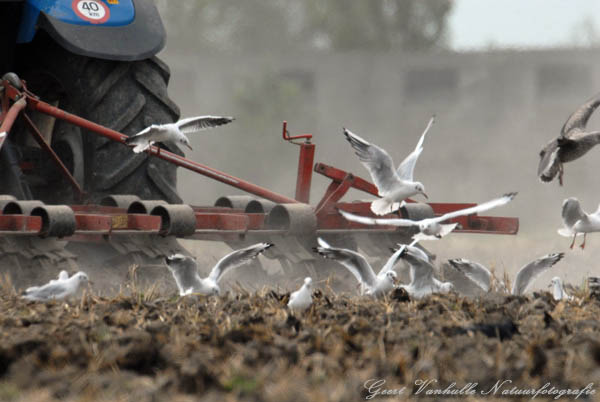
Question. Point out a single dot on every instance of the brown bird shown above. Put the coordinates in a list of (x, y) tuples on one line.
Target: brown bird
[(572, 143)]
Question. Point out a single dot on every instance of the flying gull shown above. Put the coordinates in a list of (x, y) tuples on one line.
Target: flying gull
[(576, 221), (185, 270), (57, 289), (371, 284), (431, 228), (572, 143), (393, 185), (174, 132), (301, 299)]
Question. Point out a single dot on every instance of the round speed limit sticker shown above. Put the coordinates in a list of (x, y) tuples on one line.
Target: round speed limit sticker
[(94, 11)]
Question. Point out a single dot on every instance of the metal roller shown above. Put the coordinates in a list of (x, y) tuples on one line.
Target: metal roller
[(416, 211), (120, 201), (234, 201), (144, 206), (259, 206), (57, 220), (296, 219), (5, 199), (21, 207), (177, 220)]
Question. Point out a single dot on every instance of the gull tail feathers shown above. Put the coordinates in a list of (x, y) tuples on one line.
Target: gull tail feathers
[(382, 206), (567, 232), (141, 147)]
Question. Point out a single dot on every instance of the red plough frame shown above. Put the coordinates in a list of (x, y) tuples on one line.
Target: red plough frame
[(94, 222)]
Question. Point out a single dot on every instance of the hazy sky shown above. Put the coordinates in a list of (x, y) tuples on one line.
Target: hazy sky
[(523, 23)]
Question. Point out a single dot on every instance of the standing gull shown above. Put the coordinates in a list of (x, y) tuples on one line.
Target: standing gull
[(422, 281), (371, 284), (56, 289), (393, 185), (431, 228), (558, 290), (185, 270), (572, 143), (301, 299), (174, 132), (576, 221)]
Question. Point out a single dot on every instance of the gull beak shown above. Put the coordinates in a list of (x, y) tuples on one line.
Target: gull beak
[(189, 146), (550, 285), (90, 282), (424, 195)]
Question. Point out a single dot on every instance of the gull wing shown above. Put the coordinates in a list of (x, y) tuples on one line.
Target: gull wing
[(237, 258), (185, 272), (377, 161), (365, 220), (505, 199), (48, 291), (353, 261), (529, 272), (421, 269), (406, 169), (193, 124), (571, 213), (391, 262), (578, 120), (476, 272)]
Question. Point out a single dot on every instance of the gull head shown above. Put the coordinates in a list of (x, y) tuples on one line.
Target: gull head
[(81, 278), (392, 277), (175, 261), (431, 228), (184, 140), (420, 189), (308, 282), (555, 281)]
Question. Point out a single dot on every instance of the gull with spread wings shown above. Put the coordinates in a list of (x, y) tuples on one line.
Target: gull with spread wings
[(174, 132), (431, 228), (394, 186), (371, 284), (572, 143), (185, 270), (422, 281), (480, 275)]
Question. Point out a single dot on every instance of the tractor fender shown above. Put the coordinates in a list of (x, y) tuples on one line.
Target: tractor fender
[(124, 30)]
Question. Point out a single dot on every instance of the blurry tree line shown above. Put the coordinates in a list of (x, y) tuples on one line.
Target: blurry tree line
[(255, 25)]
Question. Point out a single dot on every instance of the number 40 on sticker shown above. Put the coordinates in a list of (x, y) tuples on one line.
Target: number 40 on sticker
[(93, 11)]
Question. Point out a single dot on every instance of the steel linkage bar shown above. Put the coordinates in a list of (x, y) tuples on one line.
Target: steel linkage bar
[(35, 133), (177, 160)]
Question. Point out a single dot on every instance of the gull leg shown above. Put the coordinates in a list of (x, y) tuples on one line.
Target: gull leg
[(560, 174), (583, 244), (573, 242)]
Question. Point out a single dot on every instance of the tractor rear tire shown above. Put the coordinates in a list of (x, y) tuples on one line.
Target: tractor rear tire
[(123, 96)]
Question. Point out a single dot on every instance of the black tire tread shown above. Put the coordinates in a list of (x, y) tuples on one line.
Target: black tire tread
[(127, 97)]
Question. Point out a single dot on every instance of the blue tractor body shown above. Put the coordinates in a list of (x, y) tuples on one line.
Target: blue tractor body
[(123, 30)]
